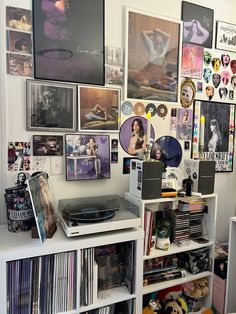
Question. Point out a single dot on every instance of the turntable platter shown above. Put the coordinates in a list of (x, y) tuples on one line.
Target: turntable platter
[(92, 215)]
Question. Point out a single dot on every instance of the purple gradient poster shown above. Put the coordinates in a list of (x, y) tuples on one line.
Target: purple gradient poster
[(69, 40), (87, 157)]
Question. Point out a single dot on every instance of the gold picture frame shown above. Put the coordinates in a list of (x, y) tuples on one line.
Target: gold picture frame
[(187, 92)]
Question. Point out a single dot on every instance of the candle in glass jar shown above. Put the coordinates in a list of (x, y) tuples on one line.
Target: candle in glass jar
[(202, 128)]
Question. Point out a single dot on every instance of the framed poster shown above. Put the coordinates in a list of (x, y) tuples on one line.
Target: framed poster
[(99, 109), (216, 121), (197, 24), (51, 106), (69, 40), (225, 36), (152, 61), (87, 157), (192, 59)]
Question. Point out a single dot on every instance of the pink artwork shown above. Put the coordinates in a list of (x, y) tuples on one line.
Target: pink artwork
[(192, 58)]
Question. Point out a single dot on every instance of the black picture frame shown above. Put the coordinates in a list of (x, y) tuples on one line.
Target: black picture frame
[(86, 160), (218, 127), (59, 115), (68, 39), (225, 34), (200, 19)]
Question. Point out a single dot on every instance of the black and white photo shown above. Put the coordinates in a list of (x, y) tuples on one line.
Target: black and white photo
[(225, 36), (51, 106)]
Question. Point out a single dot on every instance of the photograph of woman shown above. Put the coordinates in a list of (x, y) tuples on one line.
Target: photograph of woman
[(197, 24), (137, 142), (216, 140), (153, 49), (133, 135)]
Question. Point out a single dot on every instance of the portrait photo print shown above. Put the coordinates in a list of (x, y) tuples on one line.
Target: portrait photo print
[(51, 106), (218, 128), (197, 24)]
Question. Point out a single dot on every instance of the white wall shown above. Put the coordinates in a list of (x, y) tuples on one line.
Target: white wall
[(14, 104)]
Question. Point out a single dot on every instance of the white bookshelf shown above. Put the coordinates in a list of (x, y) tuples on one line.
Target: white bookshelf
[(15, 246), (210, 223)]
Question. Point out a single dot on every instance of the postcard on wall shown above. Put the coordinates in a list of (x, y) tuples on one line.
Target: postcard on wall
[(47, 145), (99, 109), (69, 40), (114, 65), (19, 64), (19, 154), (18, 18), (19, 42)]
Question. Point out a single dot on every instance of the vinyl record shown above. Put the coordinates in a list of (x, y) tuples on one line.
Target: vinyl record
[(139, 109), (127, 108), (151, 108), (168, 150), (162, 111)]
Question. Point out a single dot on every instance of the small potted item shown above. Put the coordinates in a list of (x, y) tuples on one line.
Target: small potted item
[(163, 234)]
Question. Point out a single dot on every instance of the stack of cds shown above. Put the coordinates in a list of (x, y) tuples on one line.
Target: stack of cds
[(19, 209), (196, 225)]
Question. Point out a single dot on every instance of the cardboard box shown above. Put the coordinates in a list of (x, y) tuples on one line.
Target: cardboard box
[(219, 290)]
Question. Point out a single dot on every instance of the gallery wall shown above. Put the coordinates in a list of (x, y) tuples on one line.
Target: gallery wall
[(13, 111)]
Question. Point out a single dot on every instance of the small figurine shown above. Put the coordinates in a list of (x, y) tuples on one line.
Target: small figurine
[(163, 234), (187, 184)]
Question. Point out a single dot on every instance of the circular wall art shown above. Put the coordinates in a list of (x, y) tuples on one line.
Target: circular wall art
[(168, 150), (127, 108), (133, 135), (162, 111), (139, 109)]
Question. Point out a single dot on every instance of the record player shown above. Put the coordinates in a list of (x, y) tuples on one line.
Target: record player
[(87, 215)]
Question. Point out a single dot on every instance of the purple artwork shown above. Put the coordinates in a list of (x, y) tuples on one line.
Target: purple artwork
[(133, 135), (87, 157), (69, 40)]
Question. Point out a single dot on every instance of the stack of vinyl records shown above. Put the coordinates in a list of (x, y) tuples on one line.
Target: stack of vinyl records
[(196, 225), (179, 225)]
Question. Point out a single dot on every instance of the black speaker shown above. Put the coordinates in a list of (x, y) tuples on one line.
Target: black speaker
[(145, 179)]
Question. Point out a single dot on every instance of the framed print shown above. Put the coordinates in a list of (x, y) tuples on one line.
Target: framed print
[(225, 36), (44, 212), (19, 64), (192, 59), (216, 122), (152, 62), (51, 106), (47, 145), (87, 157), (69, 40), (19, 42), (99, 109), (197, 24)]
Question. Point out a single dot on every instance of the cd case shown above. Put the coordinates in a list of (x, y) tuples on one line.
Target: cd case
[(87, 215)]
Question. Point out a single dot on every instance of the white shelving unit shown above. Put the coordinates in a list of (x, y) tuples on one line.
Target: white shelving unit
[(209, 221), (19, 246), (230, 300)]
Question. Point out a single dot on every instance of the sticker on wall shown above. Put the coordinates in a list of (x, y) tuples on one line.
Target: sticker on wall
[(162, 111), (114, 157), (127, 108), (151, 108), (231, 94), (139, 109), (207, 75), (173, 119), (233, 66), (207, 58), (225, 77), (216, 79), (225, 59), (199, 87), (233, 81), (209, 90), (216, 64), (223, 92)]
